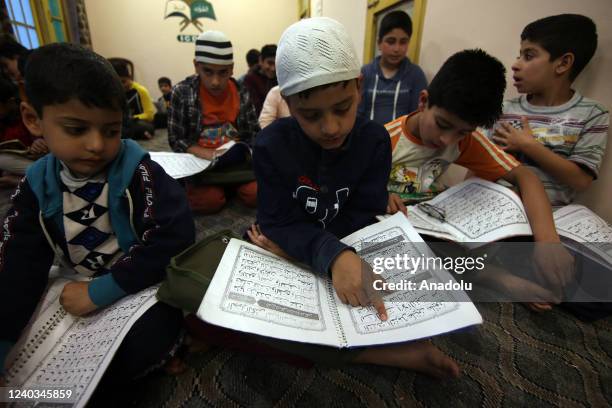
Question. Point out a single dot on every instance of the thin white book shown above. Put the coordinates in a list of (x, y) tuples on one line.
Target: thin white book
[(582, 225), (475, 212), (61, 351), (179, 165), (258, 292)]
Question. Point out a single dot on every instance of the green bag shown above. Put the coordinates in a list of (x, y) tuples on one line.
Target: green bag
[(189, 273)]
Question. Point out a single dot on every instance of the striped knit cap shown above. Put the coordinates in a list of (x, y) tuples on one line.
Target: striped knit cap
[(213, 47), (313, 52)]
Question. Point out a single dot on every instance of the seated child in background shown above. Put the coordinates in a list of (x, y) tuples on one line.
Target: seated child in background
[(259, 80), (322, 174), (391, 83), (139, 123), (13, 165), (252, 59), (207, 110), (555, 131), (467, 92), (274, 107), (13, 57), (161, 116), (110, 211)]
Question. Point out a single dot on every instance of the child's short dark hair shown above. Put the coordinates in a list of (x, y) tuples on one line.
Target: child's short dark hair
[(395, 19), (252, 57), (565, 33), (8, 89), (471, 85), (121, 68), (268, 51), (58, 72), (164, 81), (9, 48)]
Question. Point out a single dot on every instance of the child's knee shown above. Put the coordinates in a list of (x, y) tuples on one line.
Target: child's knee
[(248, 194), (205, 199)]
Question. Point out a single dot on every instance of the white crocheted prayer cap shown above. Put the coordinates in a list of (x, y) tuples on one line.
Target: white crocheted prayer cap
[(213, 47), (312, 52)]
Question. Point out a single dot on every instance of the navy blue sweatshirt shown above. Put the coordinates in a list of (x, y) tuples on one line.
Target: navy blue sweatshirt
[(308, 197), (162, 224), (399, 94)]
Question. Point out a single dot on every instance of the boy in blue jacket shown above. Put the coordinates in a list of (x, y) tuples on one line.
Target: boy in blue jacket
[(391, 83), (97, 201), (322, 174)]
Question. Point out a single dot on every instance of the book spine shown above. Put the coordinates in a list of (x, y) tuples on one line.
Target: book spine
[(333, 307)]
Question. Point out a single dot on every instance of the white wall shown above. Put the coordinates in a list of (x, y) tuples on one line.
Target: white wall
[(136, 29), (351, 13), (495, 26)]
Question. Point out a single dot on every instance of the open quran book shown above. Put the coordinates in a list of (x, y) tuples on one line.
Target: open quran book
[(585, 232), (258, 292), (58, 350), (473, 212), (180, 165), (476, 212)]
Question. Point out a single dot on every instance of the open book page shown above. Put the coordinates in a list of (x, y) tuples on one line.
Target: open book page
[(59, 350), (258, 292), (423, 224), (427, 225), (410, 316), (582, 225), (179, 165), (478, 211)]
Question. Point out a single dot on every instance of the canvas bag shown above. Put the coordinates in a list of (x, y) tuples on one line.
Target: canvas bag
[(189, 273)]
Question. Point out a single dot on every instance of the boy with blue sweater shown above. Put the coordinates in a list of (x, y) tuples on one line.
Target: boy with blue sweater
[(391, 83), (98, 202)]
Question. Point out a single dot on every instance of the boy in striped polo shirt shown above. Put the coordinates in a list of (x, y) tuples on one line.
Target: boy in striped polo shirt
[(551, 128)]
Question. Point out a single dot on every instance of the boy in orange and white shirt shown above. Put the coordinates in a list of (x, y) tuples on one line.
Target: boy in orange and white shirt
[(466, 93)]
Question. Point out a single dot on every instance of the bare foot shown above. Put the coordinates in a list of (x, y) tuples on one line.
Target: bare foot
[(147, 135), (420, 356), (538, 307)]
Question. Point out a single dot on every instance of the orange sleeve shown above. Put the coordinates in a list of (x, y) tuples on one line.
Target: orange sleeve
[(484, 158)]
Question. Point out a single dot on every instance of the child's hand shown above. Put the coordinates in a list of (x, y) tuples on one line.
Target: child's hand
[(353, 280), (554, 266), (75, 299), (396, 204), (262, 241), (38, 148), (512, 139)]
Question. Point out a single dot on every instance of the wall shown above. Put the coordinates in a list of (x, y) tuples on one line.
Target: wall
[(495, 26), (351, 13), (136, 29)]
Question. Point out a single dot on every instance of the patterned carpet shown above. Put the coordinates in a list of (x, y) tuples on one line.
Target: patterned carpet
[(516, 358)]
